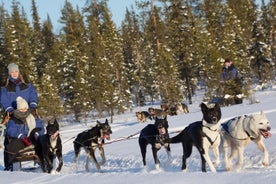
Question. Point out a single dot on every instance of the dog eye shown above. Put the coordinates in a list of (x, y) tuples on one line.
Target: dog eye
[(261, 123)]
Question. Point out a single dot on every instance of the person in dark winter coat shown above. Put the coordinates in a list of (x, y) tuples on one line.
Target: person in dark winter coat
[(229, 71), (16, 86), (19, 127), (230, 83)]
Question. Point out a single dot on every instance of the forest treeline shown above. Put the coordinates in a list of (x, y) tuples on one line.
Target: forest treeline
[(162, 51)]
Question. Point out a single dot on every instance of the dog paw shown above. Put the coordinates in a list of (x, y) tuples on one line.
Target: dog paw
[(216, 163), (265, 164), (184, 170), (55, 172)]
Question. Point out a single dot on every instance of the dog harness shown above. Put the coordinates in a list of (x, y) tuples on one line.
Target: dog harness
[(226, 128), (209, 138)]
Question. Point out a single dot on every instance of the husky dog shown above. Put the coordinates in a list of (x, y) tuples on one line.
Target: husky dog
[(154, 134), (203, 135), (156, 113), (142, 116), (182, 107), (238, 132), (90, 140), (48, 146)]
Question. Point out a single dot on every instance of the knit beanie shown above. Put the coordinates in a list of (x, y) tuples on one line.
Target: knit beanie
[(12, 67), (21, 103)]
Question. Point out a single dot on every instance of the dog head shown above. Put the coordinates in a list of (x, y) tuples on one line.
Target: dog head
[(259, 125), (211, 113), (139, 116), (162, 126), (52, 128), (105, 129), (151, 111)]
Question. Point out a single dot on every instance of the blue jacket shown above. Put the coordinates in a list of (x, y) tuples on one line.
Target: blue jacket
[(229, 73), (18, 129), (10, 92)]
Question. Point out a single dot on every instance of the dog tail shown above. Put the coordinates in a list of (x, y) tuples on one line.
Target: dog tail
[(34, 135), (176, 139)]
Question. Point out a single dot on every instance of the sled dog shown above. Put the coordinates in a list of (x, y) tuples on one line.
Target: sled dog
[(90, 140), (48, 146), (142, 116), (238, 132), (203, 135), (154, 134)]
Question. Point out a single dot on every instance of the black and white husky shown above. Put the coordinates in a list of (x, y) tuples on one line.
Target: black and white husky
[(240, 131), (90, 140), (203, 135)]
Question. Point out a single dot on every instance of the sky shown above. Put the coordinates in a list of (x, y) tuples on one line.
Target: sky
[(124, 161), (53, 8)]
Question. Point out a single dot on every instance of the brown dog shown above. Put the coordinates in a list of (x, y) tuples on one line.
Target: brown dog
[(142, 116)]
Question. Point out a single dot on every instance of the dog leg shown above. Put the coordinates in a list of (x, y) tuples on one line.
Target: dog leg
[(239, 163), (227, 161), (87, 162), (209, 162), (168, 150), (216, 154), (143, 149), (77, 152), (155, 148), (49, 164), (262, 148), (60, 161), (92, 156), (101, 149)]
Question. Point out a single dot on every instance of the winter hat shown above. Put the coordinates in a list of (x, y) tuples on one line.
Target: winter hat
[(12, 67), (227, 60), (21, 103)]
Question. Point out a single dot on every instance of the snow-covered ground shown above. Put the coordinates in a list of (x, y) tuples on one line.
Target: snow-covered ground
[(124, 161)]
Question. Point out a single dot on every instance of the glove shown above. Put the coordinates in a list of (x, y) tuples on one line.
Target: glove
[(26, 141)]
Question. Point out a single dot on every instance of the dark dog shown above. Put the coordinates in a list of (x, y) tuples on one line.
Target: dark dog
[(142, 116), (203, 135), (48, 146), (154, 134), (90, 140)]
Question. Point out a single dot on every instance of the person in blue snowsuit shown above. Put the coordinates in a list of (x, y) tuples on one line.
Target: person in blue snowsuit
[(16, 86)]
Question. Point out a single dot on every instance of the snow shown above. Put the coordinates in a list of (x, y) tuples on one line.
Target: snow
[(124, 161)]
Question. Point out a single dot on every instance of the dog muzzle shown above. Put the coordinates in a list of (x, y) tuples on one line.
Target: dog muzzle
[(54, 136), (266, 133), (162, 130), (106, 136)]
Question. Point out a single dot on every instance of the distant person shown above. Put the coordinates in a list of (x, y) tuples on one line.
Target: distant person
[(230, 83), (19, 127)]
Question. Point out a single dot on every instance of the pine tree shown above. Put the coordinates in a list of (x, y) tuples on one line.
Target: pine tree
[(4, 53), (117, 94), (50, 101), (73, 66), (18, 40), (132, 49)]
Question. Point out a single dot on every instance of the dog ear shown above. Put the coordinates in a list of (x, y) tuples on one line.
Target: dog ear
[(98, 123), (217, 106), (204, 107), (106, 121), (262, 112)]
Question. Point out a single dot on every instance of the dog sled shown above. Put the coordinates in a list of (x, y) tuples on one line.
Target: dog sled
[(26, 154)]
